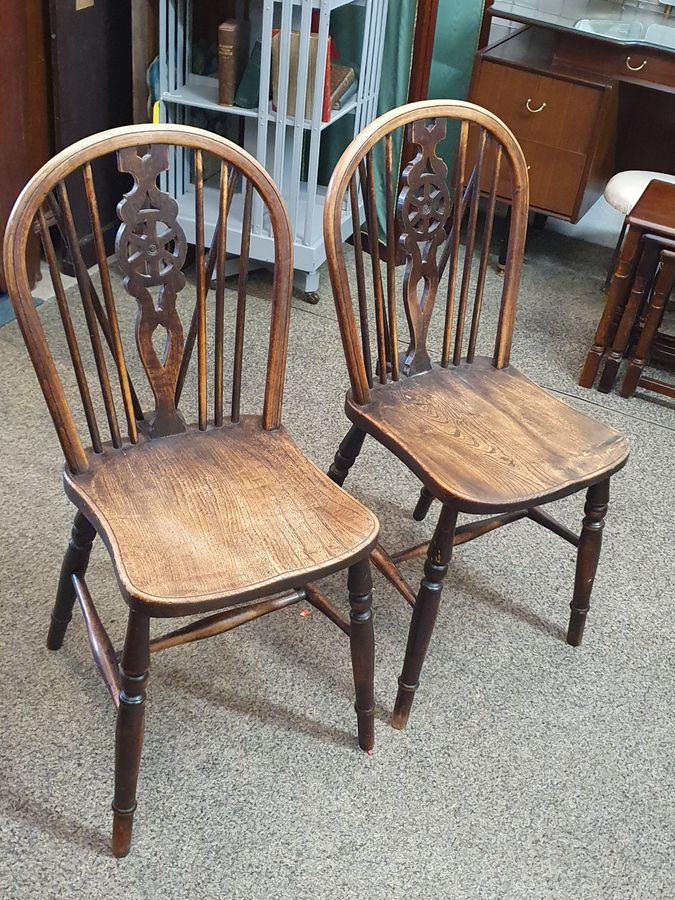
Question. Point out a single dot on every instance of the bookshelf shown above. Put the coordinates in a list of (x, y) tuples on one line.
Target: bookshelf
[(288, 146)]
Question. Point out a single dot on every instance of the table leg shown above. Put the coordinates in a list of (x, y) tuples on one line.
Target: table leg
[(614, 305)]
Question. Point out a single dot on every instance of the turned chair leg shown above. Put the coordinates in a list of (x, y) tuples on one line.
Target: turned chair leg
[(423, 505), (134, 667), (75, 562), (424, 614), (588, 554), (346, 456), (362, 643)]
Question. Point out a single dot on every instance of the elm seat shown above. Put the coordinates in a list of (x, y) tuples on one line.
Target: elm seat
[(489, 439), (176, 516)]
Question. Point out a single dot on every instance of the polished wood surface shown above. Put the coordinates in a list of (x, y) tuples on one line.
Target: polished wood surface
[(480, 436), (221, 514), (241, 513), (488, 439)]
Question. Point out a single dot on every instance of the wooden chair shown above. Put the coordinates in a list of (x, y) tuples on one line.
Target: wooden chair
[(481, 437), (224, 516)]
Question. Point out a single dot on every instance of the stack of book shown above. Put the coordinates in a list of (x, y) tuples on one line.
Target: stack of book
[(239, 80)]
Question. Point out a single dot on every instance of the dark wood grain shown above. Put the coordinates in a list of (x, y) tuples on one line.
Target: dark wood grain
[(151, 249), (75, 562), (590, 542), (424, 614), (241, 511), (423, 209), (362, 643), (489, 439)]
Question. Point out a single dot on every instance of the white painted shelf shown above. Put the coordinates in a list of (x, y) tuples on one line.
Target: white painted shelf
[(287, 146)]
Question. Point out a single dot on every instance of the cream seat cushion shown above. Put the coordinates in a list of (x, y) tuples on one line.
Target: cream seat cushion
[(625, 188)]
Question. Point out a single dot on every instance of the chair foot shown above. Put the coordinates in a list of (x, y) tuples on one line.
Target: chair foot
[(424, 614), (403, 705), (134, 667), (588, 554), (75, 562), (346, 455), (426, 498), (362, 643), (122, 829)]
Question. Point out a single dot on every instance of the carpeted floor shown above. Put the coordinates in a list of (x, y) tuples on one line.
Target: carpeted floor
[(529, 769)]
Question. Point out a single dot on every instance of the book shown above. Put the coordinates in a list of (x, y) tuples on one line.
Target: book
[(232, 51), (248, 90), (348, 95), (341, 77), (294, 55)]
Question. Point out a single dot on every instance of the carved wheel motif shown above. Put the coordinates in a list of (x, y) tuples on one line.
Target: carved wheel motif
[(151, 250), (424, 208)]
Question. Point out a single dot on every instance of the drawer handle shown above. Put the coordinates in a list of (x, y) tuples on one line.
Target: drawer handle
[(529, 108), (635, 68)]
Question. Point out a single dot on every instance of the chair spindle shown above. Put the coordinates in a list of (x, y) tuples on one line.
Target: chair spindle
[(360, 280), (241, 303), (368, 185), (458, 212), (220, 240), (82, 277), (109, 300), (468, 250), (391, 256), (201, 289), (69, 330)]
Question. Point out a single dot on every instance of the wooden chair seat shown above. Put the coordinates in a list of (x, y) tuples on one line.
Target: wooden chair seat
[(488, 439), (234, 512)]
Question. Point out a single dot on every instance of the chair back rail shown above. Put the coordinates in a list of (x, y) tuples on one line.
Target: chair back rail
[(151, 250), (426, 218)]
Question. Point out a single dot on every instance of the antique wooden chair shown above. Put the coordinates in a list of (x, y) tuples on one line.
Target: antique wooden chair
[(225, 514), (481, 437)]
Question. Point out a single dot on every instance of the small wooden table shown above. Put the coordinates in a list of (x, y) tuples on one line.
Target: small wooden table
[(654, 213)]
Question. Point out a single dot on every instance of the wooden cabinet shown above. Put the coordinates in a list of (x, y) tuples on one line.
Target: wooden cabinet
[(559, 121), (582, 108)]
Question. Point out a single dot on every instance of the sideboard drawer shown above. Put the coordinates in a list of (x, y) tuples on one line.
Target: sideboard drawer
[(632, 63), (551, 111)]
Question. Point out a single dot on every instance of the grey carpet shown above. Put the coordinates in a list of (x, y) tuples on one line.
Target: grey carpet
[(529, 769)]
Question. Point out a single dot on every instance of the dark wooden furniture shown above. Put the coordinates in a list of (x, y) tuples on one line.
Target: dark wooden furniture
[(664, 283), (654, 214), (223, 516), (481, 437), (25, 130), (582, 107)]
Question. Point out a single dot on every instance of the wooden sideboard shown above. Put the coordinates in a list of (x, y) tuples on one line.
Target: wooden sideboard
[(582, 108)]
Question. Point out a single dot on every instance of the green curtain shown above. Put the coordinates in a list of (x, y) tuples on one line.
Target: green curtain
[(457, 28)]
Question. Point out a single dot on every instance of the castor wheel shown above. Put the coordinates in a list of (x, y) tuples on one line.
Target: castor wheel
[(311, 297)]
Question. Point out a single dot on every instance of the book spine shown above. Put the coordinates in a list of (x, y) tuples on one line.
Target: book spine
[(325, 112), (228, 55)]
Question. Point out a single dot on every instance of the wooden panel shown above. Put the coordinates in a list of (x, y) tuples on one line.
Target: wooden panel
[(24, 111), (556, 177), (567, 113), (234, 512)]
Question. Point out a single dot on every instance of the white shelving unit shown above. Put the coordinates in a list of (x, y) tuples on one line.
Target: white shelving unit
[(273, 137)]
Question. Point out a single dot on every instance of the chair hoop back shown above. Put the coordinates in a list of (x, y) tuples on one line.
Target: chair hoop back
[(423, 220)]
